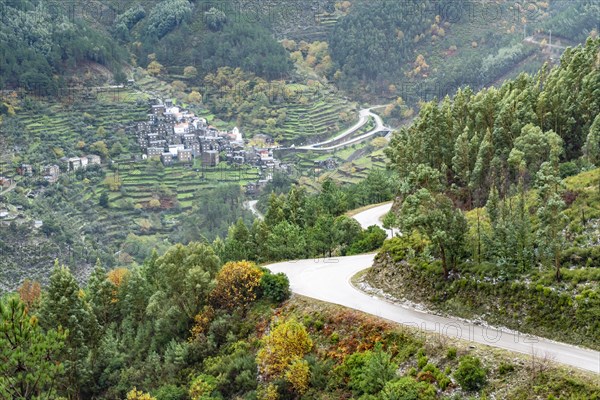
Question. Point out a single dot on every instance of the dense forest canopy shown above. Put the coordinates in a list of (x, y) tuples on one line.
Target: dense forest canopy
[(479, 140), (375, 39), (207, 35), (40, 41), (487, 37)]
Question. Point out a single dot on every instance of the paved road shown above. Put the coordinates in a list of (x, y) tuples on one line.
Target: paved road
[(531, 39), (364, 116), (329, 280), (372, 217)]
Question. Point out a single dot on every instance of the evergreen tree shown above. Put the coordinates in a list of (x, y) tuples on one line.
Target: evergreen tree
[(29, 366), (101, 294), (434, 215), (552, 219), (64, 307), (592, 143)]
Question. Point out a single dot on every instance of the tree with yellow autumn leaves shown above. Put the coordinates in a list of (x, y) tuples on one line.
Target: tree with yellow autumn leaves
[(282, 354), (237, 285)]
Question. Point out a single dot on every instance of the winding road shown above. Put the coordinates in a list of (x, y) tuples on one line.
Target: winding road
[(364, 116), (330, 280)]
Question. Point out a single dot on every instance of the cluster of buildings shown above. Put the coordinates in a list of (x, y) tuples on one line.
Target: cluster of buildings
[(176, 135), (51, 173)]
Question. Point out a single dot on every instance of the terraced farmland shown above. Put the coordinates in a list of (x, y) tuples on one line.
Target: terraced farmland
[(315, 121), (57, 125), (183, 183)]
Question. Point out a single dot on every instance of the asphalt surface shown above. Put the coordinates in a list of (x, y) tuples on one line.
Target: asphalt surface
[(330, 280), (364, 116)]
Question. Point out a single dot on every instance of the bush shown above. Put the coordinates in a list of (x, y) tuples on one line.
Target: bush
[(408, 389), (470, 374), (369, 240), (275, 287), (451, 353), (171, 392), (505, 368), (237, 285), (568, 169), (370, 371)]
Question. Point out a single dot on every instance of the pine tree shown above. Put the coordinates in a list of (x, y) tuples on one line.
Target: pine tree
[(30, 357), (101, 294), (552, 219), (64, 307)]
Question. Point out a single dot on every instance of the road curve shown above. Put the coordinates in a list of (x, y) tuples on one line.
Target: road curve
[(364, 116), (330, 280), (372, 216)]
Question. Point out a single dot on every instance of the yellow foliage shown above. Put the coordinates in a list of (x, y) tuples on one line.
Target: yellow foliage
[(287, 342), (179, 86), (195, 97), (268, 392), (154, 68), (113, 183), (202, 387), (202, 321), (379, 142), (154, 203), (388, 110), (117, 276), (237, 284), (190, 72), (135, 394), (298, 374)]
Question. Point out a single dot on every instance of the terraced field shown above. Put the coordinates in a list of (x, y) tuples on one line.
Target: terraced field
[(354, 164), (315, 121), (183, 183), (58, 125)]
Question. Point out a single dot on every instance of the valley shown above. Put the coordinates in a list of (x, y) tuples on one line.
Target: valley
[(283, 200)]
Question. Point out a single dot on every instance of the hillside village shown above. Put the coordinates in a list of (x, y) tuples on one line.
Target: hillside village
[(175, 135)]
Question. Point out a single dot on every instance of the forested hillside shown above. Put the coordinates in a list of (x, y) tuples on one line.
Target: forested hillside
[(185, 327), (521, 160), (543, 122), (40, 43), (423, 49)]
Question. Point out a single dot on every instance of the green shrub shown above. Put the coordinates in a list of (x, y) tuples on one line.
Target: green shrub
[(335, 337), (451, 353), (275, 287), (408, 389), (505, 368), (370, 371), (470, 375), (171, 392), (369, 240)]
